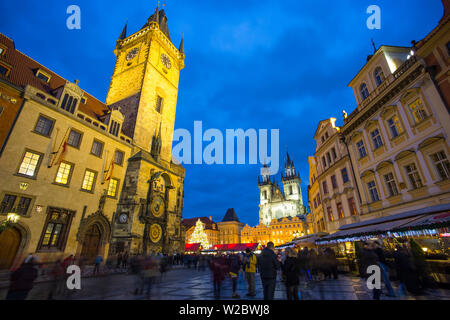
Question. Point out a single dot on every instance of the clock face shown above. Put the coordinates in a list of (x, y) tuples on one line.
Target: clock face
[(123, 218), (133, 53), (155, 233), (166, 61), (157, 206)]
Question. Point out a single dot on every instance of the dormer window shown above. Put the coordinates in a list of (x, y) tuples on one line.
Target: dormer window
[(114, 129), (69, 103), (379, 76), (83, 100), (4, 70), (364, 91), (2, 50), (43, 76)]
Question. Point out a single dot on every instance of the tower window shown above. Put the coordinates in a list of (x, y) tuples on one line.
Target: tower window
[(159, 104)]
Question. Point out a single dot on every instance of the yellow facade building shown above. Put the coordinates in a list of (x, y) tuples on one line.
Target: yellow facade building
[(279, 231), (91, 178)]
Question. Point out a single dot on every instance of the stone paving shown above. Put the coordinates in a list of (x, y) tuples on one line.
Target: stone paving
[(188, 284)]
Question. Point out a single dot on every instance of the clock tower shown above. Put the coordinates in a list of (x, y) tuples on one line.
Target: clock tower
[(144, 87), (145, 80)]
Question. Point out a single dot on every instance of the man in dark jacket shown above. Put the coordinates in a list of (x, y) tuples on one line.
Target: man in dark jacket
[(22, 281), (268, 265)]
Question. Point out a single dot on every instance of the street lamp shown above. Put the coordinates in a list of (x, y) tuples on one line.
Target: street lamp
[(11, 219)]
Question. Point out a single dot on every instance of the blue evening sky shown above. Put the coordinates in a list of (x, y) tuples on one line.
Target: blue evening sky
[(249, 64)]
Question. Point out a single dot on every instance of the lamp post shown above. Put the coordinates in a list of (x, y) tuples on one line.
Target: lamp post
[(10, 220)]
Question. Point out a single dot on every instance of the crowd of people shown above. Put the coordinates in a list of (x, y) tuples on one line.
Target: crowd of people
[(291, 267)]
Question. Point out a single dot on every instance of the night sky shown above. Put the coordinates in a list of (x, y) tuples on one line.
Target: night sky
[(249, 64)]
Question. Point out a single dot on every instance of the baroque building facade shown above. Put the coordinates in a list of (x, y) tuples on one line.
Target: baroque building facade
[(397, 137), (87, 177), (276, 203)]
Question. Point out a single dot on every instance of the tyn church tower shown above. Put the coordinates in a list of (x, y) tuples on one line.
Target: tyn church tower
[(276, 203)]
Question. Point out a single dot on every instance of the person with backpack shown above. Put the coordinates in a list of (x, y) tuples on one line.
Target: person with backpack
[(250, 262)]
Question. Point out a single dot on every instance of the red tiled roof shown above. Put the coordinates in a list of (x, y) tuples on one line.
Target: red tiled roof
[(23, 73)]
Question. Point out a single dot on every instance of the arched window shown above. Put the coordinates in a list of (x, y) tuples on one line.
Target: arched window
[(364, 91), (379, 76)]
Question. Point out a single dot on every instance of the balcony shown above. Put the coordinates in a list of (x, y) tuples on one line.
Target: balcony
[(383, 88)]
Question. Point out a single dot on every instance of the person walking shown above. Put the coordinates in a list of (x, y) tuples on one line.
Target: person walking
[(125, 260), (22, 281), (250, 262), (235, 267), (291, 271), (98, 262), (268, 266), (384, 268), (369, 258), (119, 261), (219, 269)]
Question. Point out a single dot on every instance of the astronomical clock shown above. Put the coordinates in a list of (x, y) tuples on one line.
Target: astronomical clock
[(156, 215)]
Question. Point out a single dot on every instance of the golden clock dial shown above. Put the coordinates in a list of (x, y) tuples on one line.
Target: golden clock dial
[(155, 233), (132, 53), (157, 207), (166, 61)]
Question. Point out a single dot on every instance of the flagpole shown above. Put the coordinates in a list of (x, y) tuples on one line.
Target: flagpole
[(62, 142), (52, 147), (103, 166)]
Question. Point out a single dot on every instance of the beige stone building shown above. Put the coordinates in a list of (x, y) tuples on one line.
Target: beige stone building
[(88, 177), (338, 197)]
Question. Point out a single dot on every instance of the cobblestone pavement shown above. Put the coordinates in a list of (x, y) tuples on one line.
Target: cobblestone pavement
[(188, 284)]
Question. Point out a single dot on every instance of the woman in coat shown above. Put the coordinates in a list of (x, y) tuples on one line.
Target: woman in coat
[(291, 272)]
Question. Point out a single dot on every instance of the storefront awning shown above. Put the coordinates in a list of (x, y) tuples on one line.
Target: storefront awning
[(192, 247), (418, 219)]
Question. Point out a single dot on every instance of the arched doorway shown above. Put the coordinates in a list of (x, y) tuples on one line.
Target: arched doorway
[(91, 243), (10, 240)]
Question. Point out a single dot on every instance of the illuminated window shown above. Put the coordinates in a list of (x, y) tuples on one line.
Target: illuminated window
[(64, 171), (330, 214), (44, 126), (29, 164), (379, 76), (88, 180), (394, 126), (418, 111), (364, 91), (112, 188), (352, 206), (340, 210), (413, 175), (442, 165), (373, 191)]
